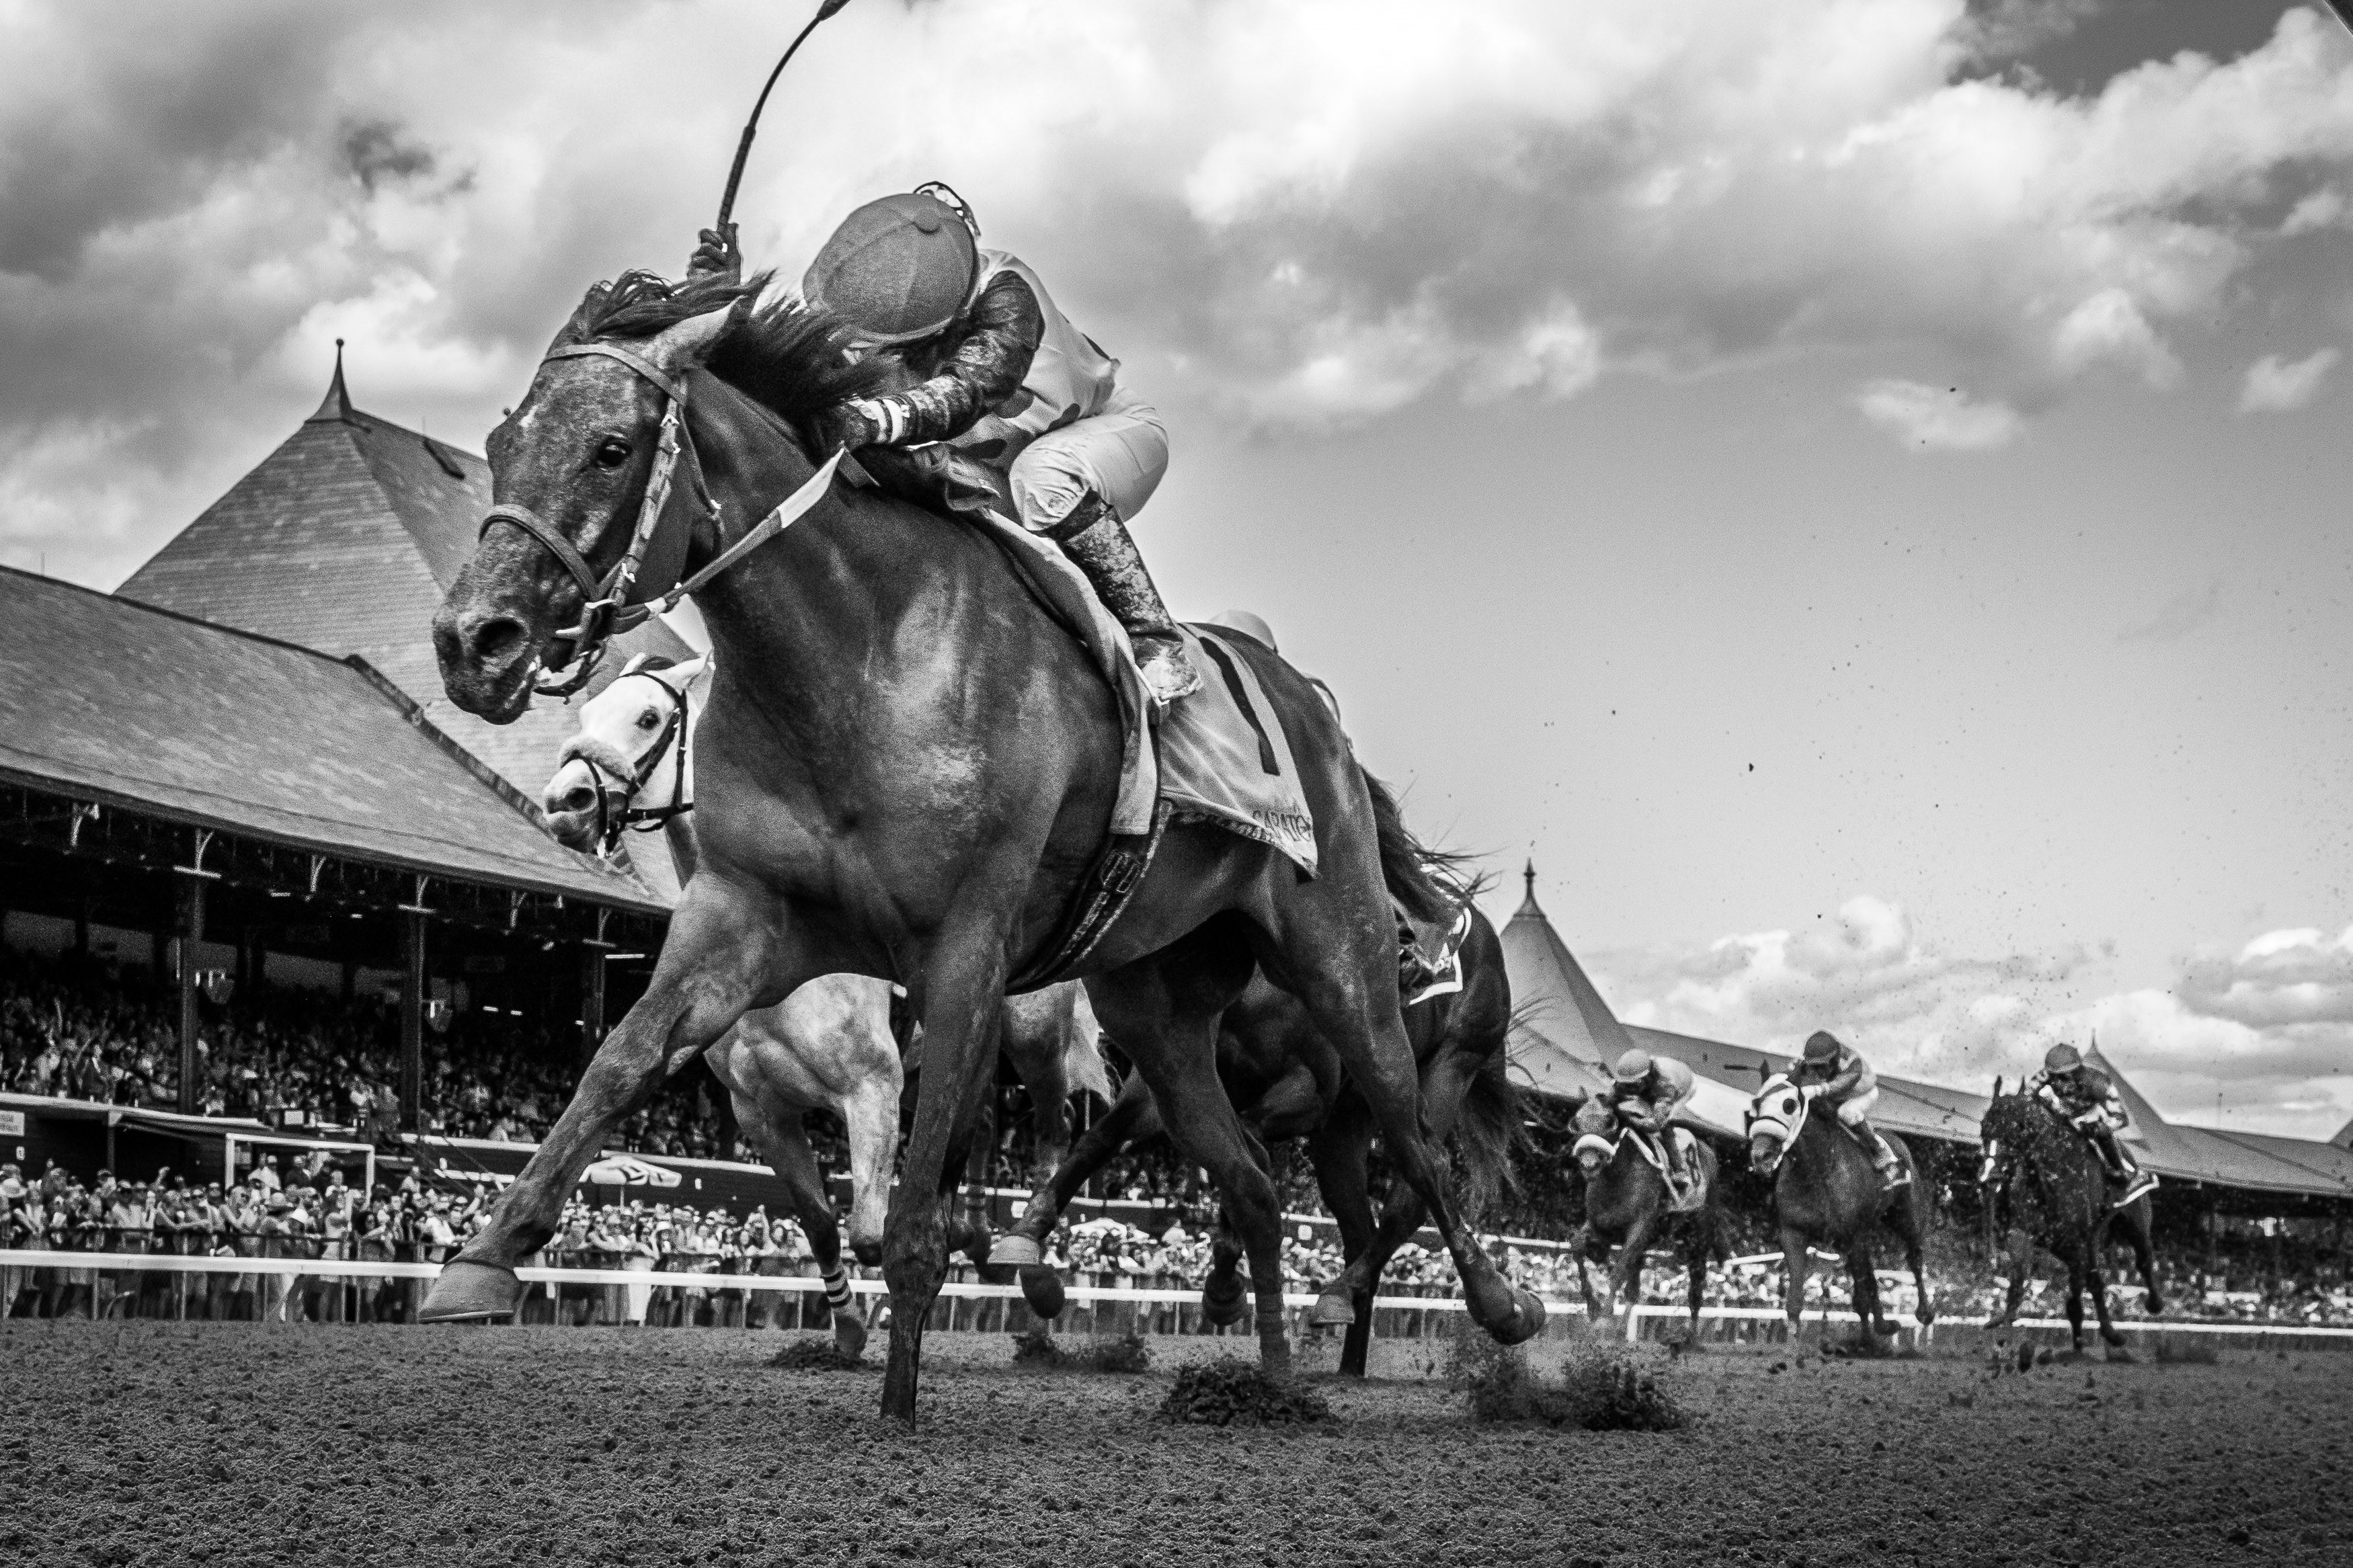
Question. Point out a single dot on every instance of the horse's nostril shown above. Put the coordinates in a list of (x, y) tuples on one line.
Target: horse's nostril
[(496, 639), (579, 798)]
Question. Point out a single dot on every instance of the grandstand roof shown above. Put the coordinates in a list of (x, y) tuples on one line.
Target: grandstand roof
[(1566, 1037), (344, 538), (110, 700)]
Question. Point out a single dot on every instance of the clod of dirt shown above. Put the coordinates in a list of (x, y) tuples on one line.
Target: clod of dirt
[(812, 1354), (1231, 1393), (1604, 1387), (2169, 1355), (1039, 1349)]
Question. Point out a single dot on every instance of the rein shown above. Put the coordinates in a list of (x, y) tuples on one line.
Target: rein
[(619, 602)]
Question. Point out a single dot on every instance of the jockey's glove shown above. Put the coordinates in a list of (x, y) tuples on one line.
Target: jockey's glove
[(849, 425), (716, 252)]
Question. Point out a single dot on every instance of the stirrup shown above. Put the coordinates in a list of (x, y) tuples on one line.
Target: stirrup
[(2136, 1185)]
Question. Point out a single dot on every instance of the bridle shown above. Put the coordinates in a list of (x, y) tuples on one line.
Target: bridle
[(627, 595), (676, 736)]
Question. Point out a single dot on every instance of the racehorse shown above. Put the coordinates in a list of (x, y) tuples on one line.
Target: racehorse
[(2058, 1193), (1629, 1204), (829, 1045), (1290, 1083), (912, 768), (1827, 1190)]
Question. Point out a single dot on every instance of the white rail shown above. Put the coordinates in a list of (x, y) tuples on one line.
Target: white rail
[(348, 1269)]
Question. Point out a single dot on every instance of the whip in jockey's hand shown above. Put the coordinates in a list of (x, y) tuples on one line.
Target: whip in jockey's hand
[(1003, 376)]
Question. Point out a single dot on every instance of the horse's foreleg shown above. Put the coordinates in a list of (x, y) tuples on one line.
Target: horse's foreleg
[(1795, 1264), (728, 951), (2076, 1272), (2098, 1281), (1626, 1281), (869, 1120), (777, 1131), (2136, 1231), (962, 997)]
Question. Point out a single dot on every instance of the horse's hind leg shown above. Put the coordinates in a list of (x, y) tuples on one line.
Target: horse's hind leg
[(1338, 1150), (2076, 1272), (1341, 970), (1163, 1009), (1132, 1118), (2098, 1282), (2137, 1227), (730, 949), (1863, 1277), (776, 1131)]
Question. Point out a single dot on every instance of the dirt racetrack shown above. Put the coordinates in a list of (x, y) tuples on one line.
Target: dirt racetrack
[(160, 1443)]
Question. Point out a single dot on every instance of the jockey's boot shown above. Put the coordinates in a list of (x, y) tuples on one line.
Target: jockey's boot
[(1883, 1155), (1680, 1175), (1099, 544)]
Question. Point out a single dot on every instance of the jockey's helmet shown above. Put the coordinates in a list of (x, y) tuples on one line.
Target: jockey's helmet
[(1822, 1045), (1633, 1067), (897, 271), (2062, 1058)]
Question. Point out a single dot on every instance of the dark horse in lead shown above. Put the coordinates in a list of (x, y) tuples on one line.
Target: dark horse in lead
[(1827, 1190), (2055, 1189), (1629, 1204), (911, 768)]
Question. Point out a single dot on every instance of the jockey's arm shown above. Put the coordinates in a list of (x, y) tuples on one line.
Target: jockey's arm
[(1841, 1085), (987, 367)]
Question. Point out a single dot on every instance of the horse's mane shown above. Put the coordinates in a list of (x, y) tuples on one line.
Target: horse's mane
[(790, 357)]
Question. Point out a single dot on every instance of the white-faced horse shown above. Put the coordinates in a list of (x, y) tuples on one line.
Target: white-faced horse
[(830, 1045)]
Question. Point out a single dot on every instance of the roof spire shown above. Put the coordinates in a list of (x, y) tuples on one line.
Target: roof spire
[(337, 405), (1529, 903)]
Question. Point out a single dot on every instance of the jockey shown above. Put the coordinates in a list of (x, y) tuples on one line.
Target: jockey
[(1645, 1092), (2085, 1098), (1834, 1072), (1004, 377)]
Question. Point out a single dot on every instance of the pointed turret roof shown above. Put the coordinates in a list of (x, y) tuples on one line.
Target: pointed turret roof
[(1564, 1036), (345, 540)]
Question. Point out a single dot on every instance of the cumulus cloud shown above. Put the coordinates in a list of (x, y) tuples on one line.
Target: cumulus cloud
[(2276, 387), (1939, 419), (1299, 212), (2268, 1026)]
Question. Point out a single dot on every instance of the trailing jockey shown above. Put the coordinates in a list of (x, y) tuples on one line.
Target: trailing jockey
[(1645, 1092), (2085, 1099), (1838, 1073), (1004, 378)]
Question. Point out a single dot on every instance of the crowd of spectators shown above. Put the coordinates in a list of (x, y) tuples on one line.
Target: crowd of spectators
[(81, 1028)]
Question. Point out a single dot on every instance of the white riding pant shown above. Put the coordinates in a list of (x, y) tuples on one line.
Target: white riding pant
[(1850, 1112), (1119, 454)]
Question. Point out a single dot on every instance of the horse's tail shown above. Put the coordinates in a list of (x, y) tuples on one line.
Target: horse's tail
[(1412, 872), (1487, 1133)]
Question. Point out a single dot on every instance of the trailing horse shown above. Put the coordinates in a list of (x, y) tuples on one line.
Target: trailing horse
[(2057, 1193), (1827, 1190), (912, 770), (1629, 1204), (1289, 1082), (829, 1045)]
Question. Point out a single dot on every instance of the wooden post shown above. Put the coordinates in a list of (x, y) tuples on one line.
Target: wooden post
[(412, 1018), (191, 931)]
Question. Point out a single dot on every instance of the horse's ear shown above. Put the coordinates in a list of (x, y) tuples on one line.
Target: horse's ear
[(636, 662), (1997, 1085), (684, 346)]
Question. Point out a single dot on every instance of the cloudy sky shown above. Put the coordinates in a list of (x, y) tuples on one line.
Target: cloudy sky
[(1854, 489)]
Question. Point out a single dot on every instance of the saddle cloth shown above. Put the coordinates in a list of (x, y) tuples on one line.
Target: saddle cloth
[(1686, 1145), (1219, 755)]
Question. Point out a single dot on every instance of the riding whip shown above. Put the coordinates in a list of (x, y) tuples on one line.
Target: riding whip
[(751, 127)]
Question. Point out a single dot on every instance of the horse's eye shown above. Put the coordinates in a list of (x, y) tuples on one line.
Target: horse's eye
[(648, 720), (612, 452)]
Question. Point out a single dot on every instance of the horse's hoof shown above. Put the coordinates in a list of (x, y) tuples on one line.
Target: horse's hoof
[(2154, 1303), (1334, 1310), (1885, 1329), (1014, 1250), (471, 1292), (1525, 1322), (1926, 1315), (849, 1336), (1042, 1289), (1223, 1300)]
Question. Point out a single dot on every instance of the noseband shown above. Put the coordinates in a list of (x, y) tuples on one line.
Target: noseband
[(675, 733)]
